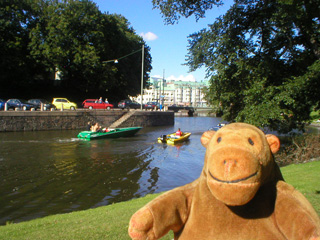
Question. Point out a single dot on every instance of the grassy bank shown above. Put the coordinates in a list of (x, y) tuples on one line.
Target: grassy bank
[(111, 222)]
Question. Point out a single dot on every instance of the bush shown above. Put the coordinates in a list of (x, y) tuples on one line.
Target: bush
[(300, 149), (315, 115)]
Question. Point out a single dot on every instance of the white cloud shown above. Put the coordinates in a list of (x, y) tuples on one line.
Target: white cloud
[(157, 76), (149, 36), (188, 78)]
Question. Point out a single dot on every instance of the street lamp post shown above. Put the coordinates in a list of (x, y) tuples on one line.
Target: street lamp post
[(163, 91), (142, 68)]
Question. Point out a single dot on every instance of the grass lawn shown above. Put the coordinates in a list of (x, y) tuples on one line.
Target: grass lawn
[(305, 178), (111, 222)]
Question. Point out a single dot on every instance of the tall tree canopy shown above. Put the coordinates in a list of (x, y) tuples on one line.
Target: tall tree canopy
[(262, 58), (73, 37), (14, 58), (172, 10)]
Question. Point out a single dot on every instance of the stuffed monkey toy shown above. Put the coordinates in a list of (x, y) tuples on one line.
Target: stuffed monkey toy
[(240, 194)]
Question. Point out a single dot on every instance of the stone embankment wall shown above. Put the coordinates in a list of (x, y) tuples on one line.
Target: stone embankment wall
[(62, 120)]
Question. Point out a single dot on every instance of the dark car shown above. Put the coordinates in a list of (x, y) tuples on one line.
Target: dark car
[(151, 105), (46, 104), (128, 104), (19, 104), (96, 104), (175, 108), (2, 102)]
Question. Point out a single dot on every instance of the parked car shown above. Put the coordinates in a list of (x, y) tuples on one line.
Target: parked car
[(65, 103), (152, 105), (128, 104), (20, 104), (46, 104), (175, 107), (2, 102), (96, 104)]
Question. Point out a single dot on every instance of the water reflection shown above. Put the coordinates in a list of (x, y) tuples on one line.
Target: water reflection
[(45, 173)]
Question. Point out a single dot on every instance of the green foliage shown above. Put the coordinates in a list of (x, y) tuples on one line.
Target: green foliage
[(315, 116), (73, 37), (14, 60), (172, 10), (262, 58)]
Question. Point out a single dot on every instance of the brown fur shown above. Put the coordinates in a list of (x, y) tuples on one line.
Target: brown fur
[(240, 194)]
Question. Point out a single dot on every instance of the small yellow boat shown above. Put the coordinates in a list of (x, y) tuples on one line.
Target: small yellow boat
[(173, 139)]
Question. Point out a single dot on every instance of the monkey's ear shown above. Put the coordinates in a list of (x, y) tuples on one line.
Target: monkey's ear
[(274, 142), (206, 136)]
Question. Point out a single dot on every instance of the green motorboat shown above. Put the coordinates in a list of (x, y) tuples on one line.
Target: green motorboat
[(109, 133)]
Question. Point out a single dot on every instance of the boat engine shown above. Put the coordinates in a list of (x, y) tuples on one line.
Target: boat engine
[(163, 137)]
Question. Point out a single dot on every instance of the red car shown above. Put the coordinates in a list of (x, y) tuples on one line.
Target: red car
[(96, 104)]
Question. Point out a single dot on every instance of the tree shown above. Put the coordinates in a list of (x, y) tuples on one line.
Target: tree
[(17, 68), (122, 43), (74, 38), (262, 58), (173, 10)]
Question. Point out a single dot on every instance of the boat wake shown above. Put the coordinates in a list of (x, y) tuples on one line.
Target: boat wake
[(66, 140)]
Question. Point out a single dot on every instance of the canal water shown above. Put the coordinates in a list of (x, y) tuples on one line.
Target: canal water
[(51, 172)]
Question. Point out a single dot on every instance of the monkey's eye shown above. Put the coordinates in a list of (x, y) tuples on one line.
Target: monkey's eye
[(218, 139), (250, 141)]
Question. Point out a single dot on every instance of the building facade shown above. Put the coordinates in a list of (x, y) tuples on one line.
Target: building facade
[(169, 92)]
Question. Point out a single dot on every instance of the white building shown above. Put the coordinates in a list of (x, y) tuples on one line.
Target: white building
[(185, 93)]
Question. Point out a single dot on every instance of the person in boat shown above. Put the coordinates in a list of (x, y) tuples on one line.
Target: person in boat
[(178, 133), (96, 128), (89, 126)]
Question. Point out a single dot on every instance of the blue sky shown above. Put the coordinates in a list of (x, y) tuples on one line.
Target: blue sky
[(168, 43)]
